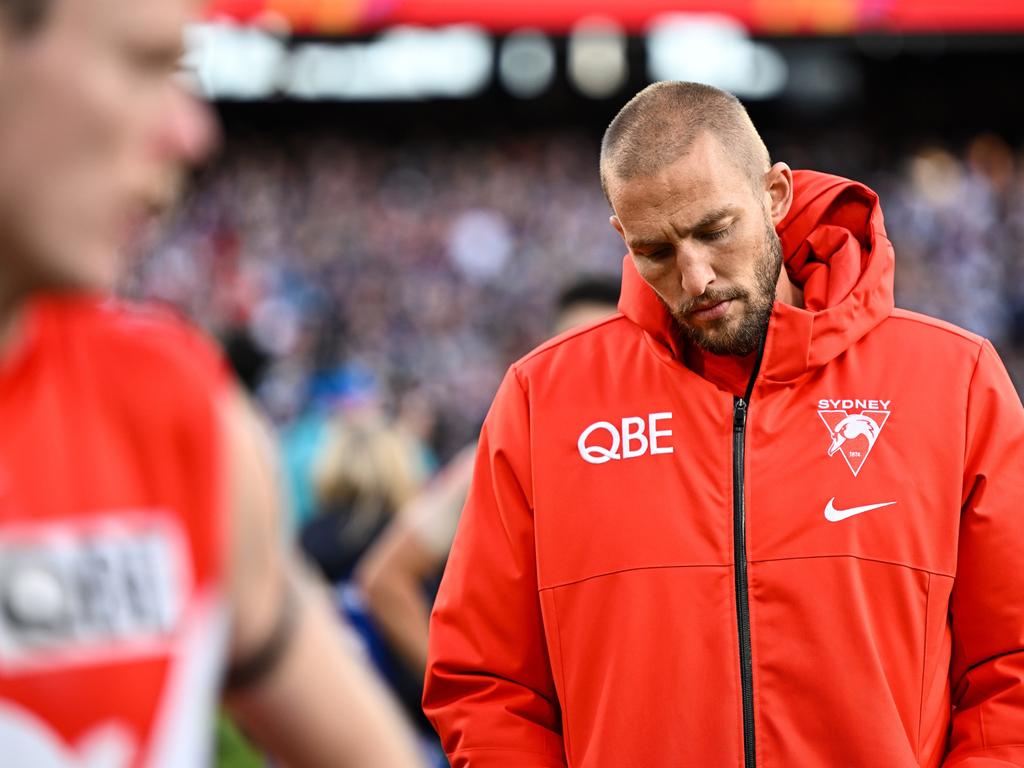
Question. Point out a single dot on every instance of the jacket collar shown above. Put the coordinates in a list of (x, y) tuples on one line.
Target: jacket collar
[(835, 248)]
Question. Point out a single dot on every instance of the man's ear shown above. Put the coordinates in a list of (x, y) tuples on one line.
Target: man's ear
[(614, 220), (779, 186)]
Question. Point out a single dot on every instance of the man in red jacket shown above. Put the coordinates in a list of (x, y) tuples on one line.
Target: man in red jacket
[(758, 518)]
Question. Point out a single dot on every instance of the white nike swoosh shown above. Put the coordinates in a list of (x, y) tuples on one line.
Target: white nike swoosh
[(834, 515)]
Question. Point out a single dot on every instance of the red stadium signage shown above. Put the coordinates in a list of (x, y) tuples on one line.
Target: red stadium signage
[(559, 16)]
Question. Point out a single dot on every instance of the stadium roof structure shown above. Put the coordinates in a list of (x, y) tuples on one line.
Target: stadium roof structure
[(761, 17)]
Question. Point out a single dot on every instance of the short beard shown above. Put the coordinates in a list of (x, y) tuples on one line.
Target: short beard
[(752, 327)]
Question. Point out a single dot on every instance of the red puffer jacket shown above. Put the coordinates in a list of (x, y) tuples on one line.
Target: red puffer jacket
[(658, 567)]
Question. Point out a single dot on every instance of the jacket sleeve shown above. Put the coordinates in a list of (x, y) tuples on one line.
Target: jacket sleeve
[(488, 689), (987, 603)]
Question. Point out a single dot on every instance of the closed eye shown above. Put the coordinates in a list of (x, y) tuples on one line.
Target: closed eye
[(659, 255), (718, 234)]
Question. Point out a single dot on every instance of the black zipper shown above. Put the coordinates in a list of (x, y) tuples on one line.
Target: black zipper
[(739, 537)]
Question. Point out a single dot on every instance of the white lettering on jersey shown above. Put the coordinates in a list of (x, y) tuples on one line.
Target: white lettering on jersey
[(70, 592), (637, 436)]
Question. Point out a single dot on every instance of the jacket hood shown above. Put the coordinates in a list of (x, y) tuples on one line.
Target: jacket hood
[(834, 248)]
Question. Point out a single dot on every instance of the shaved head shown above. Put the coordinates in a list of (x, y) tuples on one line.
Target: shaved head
[(660, 124)]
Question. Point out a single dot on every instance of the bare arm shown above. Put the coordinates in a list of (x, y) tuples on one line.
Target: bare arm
[(391, 576), (413, 549), (317, 705)]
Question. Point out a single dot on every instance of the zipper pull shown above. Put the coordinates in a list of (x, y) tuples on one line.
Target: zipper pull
[(739, 414)]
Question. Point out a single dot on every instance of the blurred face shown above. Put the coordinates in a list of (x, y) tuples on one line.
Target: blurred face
[(94, 129), (704, 239), (581, 313)]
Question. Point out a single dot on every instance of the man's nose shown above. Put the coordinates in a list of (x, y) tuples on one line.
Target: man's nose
[(695, 272), (190, 133)]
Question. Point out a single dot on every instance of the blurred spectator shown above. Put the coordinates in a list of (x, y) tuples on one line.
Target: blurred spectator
[(399, 569), (364, 473), (587, 299)]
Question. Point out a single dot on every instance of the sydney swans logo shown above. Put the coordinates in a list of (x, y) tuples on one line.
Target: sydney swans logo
[(853, 434)]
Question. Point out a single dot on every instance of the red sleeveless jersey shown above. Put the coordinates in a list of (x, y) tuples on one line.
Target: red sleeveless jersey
[(112, 623)]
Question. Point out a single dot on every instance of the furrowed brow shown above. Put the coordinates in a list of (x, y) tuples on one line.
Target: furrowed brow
[(705, 222), (711, 218), (645, 245)]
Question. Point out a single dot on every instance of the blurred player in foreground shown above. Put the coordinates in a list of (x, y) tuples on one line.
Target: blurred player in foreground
[(138, 499), (761, 516)]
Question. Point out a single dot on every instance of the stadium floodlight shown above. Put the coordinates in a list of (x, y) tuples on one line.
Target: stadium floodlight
[(233, 62), (526, 64), (716, 50), (597, 57), (405, 63)]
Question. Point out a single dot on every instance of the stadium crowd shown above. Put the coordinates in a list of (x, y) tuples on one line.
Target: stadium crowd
[(428, 268)]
